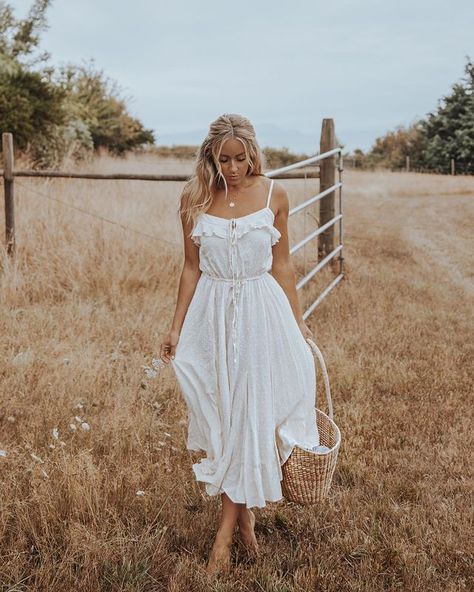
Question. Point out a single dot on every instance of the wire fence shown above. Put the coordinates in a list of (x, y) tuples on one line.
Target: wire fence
[(93, 215)]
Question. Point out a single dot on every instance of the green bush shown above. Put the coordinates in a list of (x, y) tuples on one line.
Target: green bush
[(431, 143), (58, 116)]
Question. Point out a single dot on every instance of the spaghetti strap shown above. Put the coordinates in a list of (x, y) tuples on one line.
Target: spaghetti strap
[(270, 193)]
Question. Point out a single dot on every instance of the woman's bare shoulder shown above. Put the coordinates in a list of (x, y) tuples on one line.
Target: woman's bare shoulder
[(280, 199)]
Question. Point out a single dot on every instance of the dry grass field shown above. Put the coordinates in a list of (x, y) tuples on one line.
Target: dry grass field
[(97, 490)]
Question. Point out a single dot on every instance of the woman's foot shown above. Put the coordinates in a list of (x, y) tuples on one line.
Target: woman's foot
[(246, 523), (219, 557)]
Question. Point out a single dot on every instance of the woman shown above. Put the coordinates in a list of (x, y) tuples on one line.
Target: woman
[(237, 341)]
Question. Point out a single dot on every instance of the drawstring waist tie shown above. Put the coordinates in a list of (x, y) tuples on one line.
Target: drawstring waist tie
[(236, 283), (241, 280)]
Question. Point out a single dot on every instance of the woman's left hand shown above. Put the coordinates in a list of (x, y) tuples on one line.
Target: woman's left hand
[(305, 330)]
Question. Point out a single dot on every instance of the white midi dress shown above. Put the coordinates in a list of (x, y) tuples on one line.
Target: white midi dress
[(245, 370)]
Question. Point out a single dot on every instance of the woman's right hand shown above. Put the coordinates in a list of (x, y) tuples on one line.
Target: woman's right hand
[(168, 346)]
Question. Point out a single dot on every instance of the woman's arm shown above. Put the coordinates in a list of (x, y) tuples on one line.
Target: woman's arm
[(187, 285), (189, 277), (282, 267)]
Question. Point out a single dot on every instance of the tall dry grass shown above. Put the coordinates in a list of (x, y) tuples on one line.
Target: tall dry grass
[(116, 506)]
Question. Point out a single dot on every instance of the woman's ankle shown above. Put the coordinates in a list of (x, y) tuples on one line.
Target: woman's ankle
[(223, 536)]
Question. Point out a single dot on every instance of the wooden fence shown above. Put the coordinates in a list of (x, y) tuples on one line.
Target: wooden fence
[(329, 161)]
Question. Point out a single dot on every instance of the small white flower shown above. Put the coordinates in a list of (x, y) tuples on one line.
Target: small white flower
[(150, 372), (72, 427), (79, 406), (11, 418), (85, 426), (36, 458), (3, 453), (55, 433), (140, 493), (22, 358), (51, 446), (78, 419), (158, 363)]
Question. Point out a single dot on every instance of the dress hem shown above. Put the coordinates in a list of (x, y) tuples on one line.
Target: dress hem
[(201, 478)]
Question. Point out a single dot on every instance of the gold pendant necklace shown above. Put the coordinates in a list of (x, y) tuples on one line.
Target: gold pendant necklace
[(231, 204)]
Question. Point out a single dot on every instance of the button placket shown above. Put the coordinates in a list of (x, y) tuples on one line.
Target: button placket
[(235, 285)]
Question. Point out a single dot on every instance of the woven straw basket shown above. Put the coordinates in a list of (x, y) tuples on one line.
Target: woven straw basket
[(307, 475)]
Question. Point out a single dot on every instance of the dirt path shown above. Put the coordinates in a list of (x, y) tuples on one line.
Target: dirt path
[(441, 227)]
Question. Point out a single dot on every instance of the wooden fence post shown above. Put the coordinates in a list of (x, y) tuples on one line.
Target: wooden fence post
[(407, 164), (327, 178), (7, 147), (453, 166)]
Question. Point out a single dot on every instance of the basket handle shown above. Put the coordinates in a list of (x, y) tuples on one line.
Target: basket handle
[(319, 355)]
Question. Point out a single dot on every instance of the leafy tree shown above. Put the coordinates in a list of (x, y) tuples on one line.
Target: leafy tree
[(446, 133), (449, 131), (392, 149), (56, 116), (30, 106), (95, 99), (20, 38)]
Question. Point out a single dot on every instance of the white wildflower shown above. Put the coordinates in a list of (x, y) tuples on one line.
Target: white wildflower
[(55, 433), (3, 453), (158, 363), (78, 419), (11, 418), (36, 458), (22, 358), (72, 427), (51, 446), (85, 426), (150, 372), (79, 406), (140, 493)]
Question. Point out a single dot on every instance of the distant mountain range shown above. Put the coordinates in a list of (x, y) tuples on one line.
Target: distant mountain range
[(274, 136)]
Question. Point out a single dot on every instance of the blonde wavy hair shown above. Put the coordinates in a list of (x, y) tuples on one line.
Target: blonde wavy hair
[(207, 173)]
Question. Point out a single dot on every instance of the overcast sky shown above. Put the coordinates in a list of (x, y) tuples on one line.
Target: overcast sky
[(371, 65)]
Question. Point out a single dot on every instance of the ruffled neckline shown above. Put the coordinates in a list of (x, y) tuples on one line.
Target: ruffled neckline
[(208, 225), (220, 218)]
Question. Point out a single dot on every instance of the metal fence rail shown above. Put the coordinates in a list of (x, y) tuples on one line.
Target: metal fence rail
[(324, 228)]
